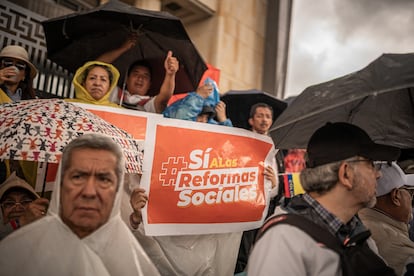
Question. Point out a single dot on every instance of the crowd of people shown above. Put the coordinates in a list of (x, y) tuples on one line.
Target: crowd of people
[(353, 218)]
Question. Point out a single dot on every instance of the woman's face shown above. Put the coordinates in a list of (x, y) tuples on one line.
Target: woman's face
[(97, 82), (8, 65)]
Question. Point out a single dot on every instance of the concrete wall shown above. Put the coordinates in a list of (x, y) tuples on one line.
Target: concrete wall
[(233, 41)]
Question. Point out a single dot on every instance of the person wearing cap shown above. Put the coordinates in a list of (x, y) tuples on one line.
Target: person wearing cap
[(20, 204), (16, 75), (388, 219), (214, 115), (206, 114), (200, 106), (340, 179), (406, 163)]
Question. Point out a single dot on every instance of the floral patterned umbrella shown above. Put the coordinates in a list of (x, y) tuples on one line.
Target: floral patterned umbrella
[(38, 130)]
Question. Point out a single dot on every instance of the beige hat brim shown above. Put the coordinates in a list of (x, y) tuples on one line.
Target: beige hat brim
[(15, 182), (33, 70)]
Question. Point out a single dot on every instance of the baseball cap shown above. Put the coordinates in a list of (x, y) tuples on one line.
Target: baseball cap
[(410, 179), (338, 141), (392, 177), (209, 110)]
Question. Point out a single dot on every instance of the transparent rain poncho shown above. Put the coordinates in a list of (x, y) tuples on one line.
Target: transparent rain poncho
[(48, 247)]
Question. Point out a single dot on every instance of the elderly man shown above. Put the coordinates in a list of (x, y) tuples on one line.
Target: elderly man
[(388, 220), (82, 233), (339, 181)]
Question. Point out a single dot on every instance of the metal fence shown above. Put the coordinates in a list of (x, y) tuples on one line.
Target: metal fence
[(19, 26)]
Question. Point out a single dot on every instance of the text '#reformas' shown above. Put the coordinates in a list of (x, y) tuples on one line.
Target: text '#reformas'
[(214, 180)]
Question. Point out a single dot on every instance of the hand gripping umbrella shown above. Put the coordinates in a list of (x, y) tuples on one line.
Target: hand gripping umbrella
[(379, 99), (79, 37), (38, 130)]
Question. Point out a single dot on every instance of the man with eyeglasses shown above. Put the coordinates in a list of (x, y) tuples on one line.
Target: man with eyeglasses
[(388, 219), (339, 180), (20, 205)]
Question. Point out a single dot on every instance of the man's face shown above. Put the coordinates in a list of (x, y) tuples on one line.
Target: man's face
[(262, 120), (12, 211), (365, 183), (88, 190), (139, 81)]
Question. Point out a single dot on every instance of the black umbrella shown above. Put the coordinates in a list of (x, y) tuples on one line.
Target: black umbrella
[(79, 37), (379, 99), (239, 102)]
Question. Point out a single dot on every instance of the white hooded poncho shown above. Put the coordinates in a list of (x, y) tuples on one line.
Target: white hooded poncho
[(48, 247)]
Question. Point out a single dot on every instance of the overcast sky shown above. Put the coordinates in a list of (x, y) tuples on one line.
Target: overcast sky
[(331, 38)]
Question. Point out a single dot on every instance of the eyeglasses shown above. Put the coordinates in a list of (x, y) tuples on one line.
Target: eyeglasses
[(409, 190), (376, 165), (8, 204), (9, 62)]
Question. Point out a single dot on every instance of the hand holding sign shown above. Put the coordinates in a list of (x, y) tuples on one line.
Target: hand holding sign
[(138, 200)]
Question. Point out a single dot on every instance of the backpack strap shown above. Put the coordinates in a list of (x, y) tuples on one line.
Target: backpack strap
[(350, 259), (320, 234)]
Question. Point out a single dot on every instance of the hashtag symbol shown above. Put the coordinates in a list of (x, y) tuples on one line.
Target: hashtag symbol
[(170, 169)]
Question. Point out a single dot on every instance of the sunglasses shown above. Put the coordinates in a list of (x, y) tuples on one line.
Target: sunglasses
[(9, 62)]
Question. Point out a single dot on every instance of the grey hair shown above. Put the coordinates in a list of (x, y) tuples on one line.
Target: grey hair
[(98, 142), (323, 178)]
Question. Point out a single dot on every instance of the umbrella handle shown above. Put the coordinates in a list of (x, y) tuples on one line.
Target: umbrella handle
[(64, 30), (138, 30), (121, 100)]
